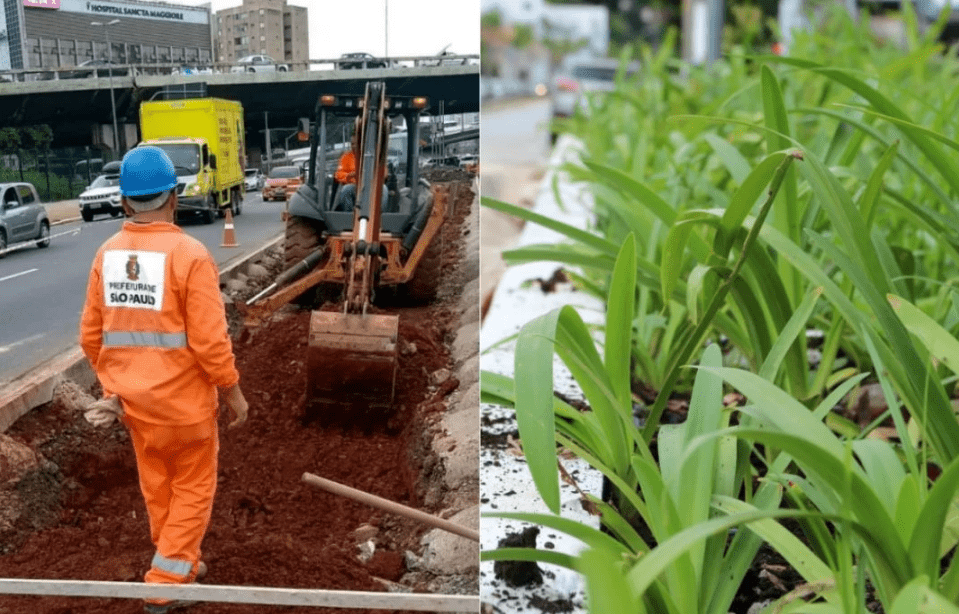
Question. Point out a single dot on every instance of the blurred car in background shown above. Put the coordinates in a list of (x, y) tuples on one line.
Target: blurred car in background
[(254, 179), (281, 181), (579, 76), (258, 63), (360, 60)]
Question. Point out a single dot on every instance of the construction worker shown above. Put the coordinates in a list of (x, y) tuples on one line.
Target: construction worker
[(345, 175), (154, 328)]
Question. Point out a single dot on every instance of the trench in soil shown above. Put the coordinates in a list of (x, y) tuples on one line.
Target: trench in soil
[(85, 517)]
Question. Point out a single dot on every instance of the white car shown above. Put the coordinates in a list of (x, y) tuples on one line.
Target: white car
[(102, 196), (258, 63), (254, 179)]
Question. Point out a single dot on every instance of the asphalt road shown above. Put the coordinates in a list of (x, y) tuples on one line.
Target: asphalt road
[(42, 290), (513, 154)]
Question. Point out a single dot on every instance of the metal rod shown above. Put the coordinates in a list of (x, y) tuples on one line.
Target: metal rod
[(357, 600), (390, 506)]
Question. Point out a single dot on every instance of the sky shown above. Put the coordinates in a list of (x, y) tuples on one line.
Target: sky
[(399, 27)]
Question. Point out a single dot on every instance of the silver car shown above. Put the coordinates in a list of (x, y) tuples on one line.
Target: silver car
[(23, 217), (579, 76), (258, 63)]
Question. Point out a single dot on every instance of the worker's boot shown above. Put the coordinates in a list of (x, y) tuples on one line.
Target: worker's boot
[(173, 606), (166, 608)]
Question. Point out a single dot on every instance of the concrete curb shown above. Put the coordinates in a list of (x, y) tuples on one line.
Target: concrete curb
[(36, 387), (505, 481)]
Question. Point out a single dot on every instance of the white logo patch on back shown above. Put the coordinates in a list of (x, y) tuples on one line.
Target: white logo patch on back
[(134, 279)]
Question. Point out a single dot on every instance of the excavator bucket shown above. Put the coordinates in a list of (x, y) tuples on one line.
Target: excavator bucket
[(351, 360)]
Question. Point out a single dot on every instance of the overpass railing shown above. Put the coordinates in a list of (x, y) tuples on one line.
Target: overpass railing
[(50, 73)]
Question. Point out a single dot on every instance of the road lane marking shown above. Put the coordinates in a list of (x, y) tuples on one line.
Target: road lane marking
[(18, 274), (7, 348), (33, 242)]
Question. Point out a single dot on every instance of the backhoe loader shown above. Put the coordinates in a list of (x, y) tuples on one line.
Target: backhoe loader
[(390, 238)]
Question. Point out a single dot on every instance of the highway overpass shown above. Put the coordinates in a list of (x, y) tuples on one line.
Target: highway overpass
[(74, 107)]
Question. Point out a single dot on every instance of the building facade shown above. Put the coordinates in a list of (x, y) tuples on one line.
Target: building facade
[(59, 33), (267, 27)]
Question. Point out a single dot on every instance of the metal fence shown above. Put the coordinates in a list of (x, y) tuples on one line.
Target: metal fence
[(58, 174)]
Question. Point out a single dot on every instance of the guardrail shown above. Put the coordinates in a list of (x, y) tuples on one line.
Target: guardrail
[(50, 73)]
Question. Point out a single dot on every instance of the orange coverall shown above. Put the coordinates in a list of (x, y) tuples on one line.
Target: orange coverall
[(346, 167), (154, 328)]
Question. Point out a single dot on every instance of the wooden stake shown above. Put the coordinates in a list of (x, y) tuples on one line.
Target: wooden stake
[(390, 506)]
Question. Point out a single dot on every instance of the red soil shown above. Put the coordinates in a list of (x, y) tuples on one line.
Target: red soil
[(87, 519)]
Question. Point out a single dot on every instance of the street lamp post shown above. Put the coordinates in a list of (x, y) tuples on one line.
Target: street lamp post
[(113, 104)]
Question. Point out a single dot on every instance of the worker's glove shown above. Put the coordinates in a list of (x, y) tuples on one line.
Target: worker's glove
[(103, 412)]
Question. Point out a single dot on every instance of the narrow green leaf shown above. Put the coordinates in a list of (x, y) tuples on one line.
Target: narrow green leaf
[(943, 346), (924, 544), (734, 161), (534, 555), (594, 538), (620, 310), (577, 234), (534, 404), (867, 203), (607, 590), (787, 336), (748, 193)]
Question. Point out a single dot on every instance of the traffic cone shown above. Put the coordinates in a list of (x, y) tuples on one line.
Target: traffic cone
[(229, 235)]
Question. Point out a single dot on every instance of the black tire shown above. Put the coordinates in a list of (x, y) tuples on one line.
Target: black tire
[(86, 215), (250, 69), (281, 69), (237, 203), (208, 215), (44, 239), (3, 243), (425, 283)]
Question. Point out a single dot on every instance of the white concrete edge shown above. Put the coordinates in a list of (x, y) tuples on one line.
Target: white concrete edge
[(506, 485)]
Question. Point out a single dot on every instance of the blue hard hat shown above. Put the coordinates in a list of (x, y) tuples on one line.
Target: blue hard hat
[(146, 170)]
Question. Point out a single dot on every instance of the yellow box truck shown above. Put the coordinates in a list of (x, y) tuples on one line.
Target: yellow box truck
[(204, 139)]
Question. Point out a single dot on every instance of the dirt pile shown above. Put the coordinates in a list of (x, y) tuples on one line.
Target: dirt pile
[(73, 508)]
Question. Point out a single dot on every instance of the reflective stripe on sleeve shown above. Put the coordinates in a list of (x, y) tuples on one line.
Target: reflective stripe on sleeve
[(180, 568), (144, 339)]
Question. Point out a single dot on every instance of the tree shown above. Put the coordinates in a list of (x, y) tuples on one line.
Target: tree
[(9, 140), (522, 36), (559, 42)]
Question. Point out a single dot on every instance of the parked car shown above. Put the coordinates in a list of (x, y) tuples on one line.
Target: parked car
[(101, 196), (579, 76), (22, 217), (96, 68), (281, 181), (258, 63), (360, 60), (254, 179)]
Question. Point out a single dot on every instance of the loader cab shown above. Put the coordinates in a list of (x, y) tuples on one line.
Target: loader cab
[(405, 189)]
